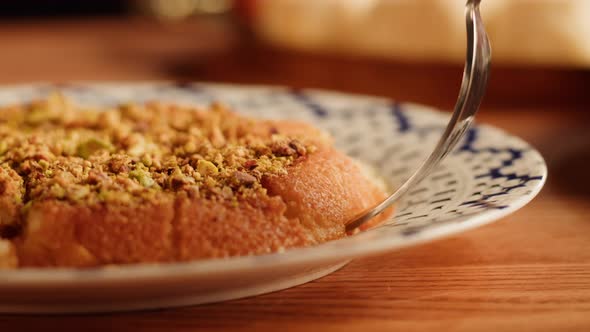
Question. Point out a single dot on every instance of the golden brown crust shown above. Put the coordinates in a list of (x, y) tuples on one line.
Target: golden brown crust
[(11, 201), (323, 192), (160, 183), (8, 257), (63, 234), (208, 229)]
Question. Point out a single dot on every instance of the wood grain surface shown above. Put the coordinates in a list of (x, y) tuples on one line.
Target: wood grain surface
[(528, 272)]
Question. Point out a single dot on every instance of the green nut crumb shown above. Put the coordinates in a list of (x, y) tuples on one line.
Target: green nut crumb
[(57, 191), (146, 160), (137, 149), (143, 177), (103, 195), (18, 198), (190, 147), (113, 196), (44, 164), (3, 148), (206, 167), (79, 193), (26, 208), (227, 192), (92, 145)]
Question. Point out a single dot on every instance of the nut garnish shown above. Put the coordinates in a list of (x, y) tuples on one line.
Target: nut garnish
[(134, 151)]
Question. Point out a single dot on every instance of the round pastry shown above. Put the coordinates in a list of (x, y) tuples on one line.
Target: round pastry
[(157, 182)]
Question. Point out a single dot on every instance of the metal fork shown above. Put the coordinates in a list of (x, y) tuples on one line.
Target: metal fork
[(473, 86)]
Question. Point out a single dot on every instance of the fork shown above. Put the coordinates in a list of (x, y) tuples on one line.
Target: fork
[(473, 86)]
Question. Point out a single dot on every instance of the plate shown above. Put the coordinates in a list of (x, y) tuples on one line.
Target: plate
[(489, 175)]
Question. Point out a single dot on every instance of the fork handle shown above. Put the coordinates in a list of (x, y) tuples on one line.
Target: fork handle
[(473, 86)]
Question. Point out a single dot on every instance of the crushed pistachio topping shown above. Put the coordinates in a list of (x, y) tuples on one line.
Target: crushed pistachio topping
[(66, 152)]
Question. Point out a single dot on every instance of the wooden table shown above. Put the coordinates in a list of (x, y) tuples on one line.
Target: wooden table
[(529, 271)]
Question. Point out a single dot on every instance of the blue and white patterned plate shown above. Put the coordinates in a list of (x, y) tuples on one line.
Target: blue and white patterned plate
[(490, 175)]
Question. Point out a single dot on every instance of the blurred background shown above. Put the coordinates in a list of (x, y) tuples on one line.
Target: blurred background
[(410, 50)]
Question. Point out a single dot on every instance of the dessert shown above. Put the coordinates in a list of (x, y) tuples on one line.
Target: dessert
[(157, 182)]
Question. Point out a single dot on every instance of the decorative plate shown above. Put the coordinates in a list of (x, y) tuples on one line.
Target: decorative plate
[(489, 175)]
